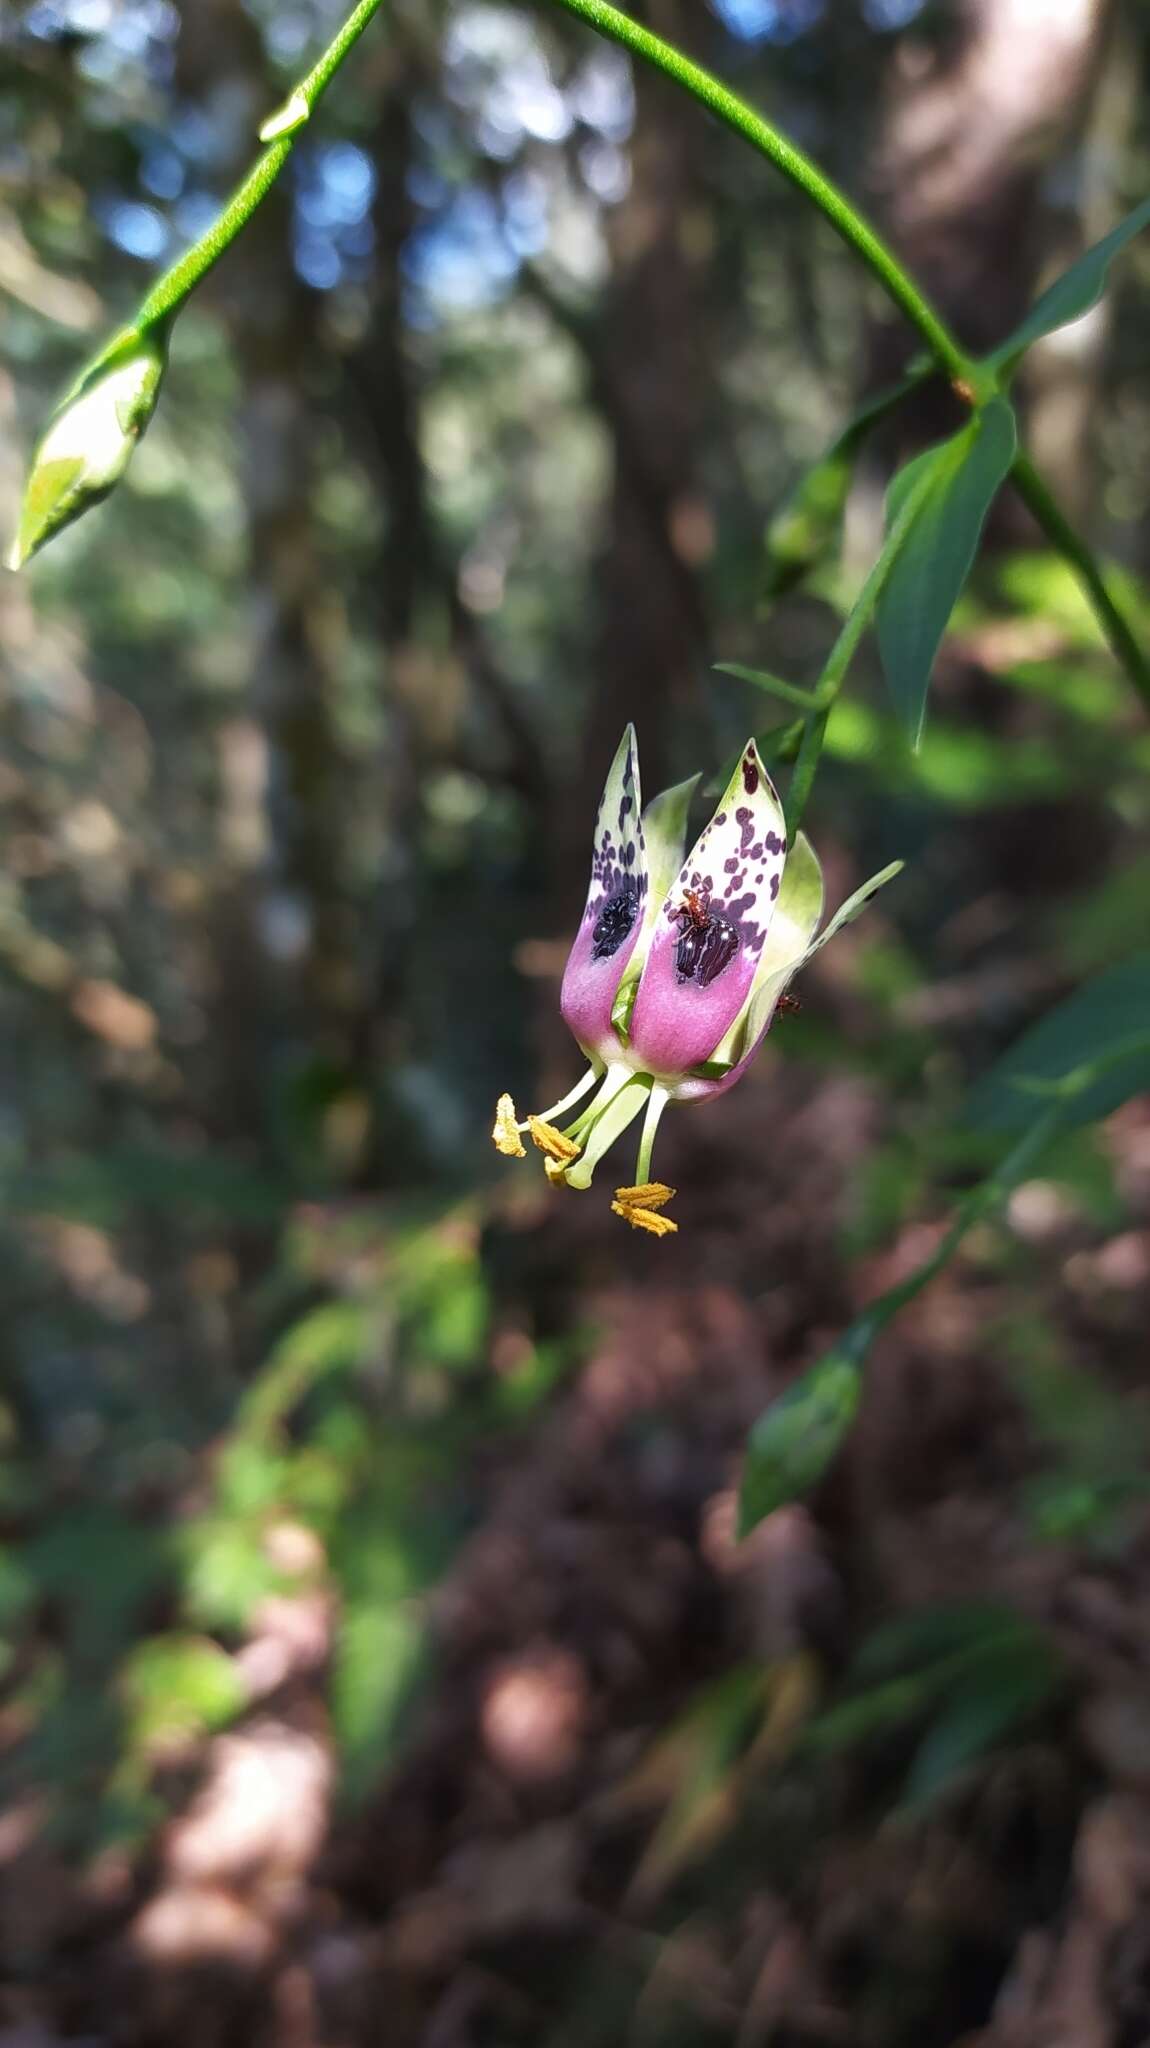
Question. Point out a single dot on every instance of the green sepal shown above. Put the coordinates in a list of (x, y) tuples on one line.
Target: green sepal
[(855, 904)]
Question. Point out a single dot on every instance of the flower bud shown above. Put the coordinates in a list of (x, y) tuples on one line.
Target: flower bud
[(90, 441)]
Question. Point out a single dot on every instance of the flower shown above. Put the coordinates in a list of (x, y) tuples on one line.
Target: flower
[(678, 966)]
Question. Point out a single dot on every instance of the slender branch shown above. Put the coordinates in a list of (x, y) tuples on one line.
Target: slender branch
[(1062, 536), (972, 380), (843, 217), (990, 1193), (980, 1203), (173, 288), (838, 661)]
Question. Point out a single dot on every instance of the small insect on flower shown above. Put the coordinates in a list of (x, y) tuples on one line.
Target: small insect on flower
[(707, 943), (677, 969)]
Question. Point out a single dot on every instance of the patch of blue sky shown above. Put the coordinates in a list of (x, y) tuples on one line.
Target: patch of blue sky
[(139, 230), (889, 15), (317, 260), (125, 28), (290, 33), (602, 94), (162, 169), (769, 21), (335, 185), (193, 215), (334, 238), (464, 259)]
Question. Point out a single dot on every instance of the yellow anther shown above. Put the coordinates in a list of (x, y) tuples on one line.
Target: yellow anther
[(551, 1141), (644, 1219), (650, 1194), (505, 1132), (556, 1171)]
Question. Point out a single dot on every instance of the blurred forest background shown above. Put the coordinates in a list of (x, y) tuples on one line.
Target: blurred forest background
[(378, 1662)]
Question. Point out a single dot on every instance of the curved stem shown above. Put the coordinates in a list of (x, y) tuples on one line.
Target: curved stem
[(990, 1193), (1062, 536), (844, 218), (981, 1202), (173, 288), (972, 380)]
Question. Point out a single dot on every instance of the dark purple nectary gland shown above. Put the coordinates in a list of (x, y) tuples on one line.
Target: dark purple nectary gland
[(705, 949), (614, 923)]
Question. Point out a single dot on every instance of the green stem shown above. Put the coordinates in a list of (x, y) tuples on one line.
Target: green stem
[(1062, 536), (839, 659), (735, 114), (173, 288), (980, 1203), (991, 1192)]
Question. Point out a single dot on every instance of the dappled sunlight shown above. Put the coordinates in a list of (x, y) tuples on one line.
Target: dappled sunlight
[(429, 1608)]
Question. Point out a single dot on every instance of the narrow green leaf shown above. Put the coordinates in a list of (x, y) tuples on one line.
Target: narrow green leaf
[(958, 480), (1004, 1692), (1107, 1019), (804, 528), (1073, 293), (795, 1439), (934, 1634), (856, 904), (775, 686)]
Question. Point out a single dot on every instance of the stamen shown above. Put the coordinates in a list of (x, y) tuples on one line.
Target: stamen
[(618, 1101), (639, 1206), (650, 1194), (505, 1131), (645, 1219), (655, 1107), (581, 1086), (551, 1141)]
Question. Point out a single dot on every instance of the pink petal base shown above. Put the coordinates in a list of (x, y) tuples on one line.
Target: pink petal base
[(676, 1024)]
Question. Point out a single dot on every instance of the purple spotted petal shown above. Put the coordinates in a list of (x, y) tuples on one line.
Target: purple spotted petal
[(710, 931), (613, 917), (797, 912)]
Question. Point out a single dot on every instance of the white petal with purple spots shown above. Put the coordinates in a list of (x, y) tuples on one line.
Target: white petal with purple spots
[(710, 931), (613, 915)]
